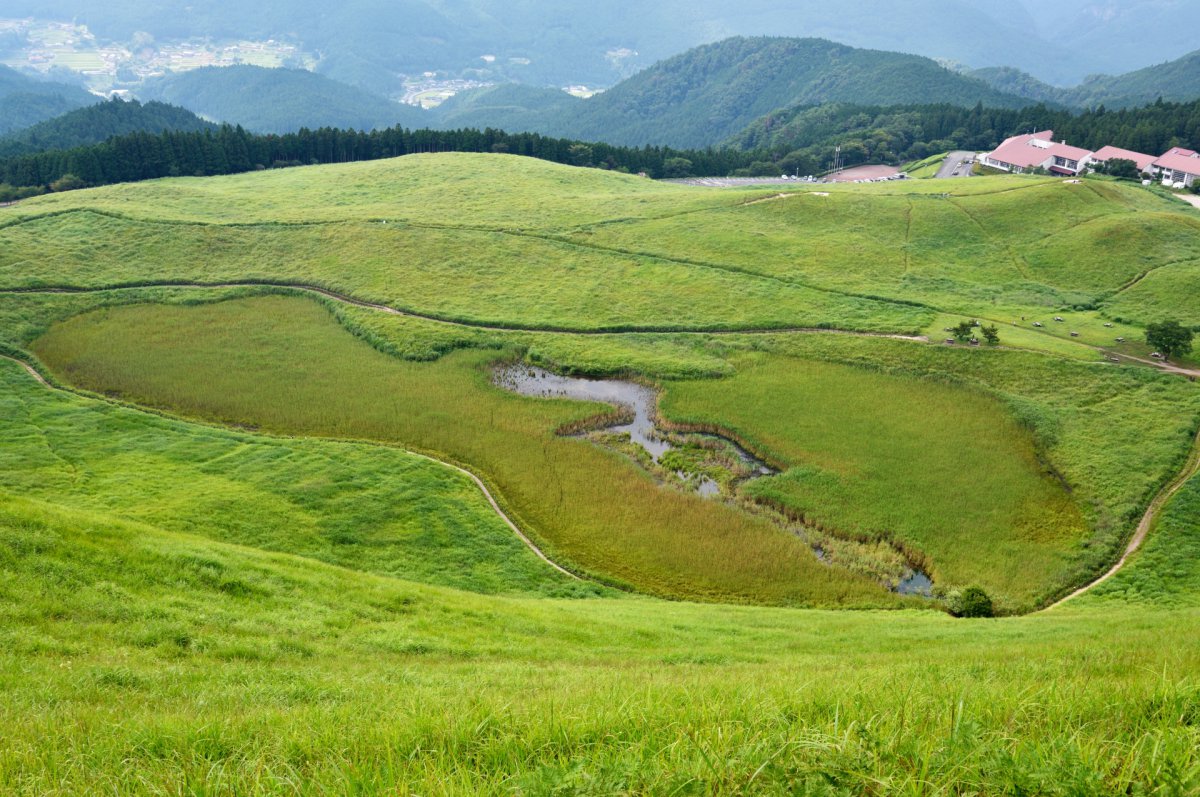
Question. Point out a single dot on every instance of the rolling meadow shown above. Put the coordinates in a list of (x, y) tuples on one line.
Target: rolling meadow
[(235, 559)]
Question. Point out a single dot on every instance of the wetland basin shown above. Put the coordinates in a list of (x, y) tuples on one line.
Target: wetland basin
[(642, 402), (638, 399)]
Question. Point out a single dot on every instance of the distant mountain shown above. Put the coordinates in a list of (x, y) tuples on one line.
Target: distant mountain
[(280, 100), (508, 106), (1177, 81), (710, 93), (96, 123), (559, 42), (25, 101), (1112, 36)]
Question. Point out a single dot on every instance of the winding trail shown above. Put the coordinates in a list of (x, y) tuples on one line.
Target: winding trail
[(33, 372), (30, 369), (1190, 469)]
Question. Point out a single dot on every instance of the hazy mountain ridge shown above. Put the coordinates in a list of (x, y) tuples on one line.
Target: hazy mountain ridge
[(25, 101), (100, 122), (369, 43), (1177, 80), (280, 100)]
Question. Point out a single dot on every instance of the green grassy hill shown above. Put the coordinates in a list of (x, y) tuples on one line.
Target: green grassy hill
[(235, 559)]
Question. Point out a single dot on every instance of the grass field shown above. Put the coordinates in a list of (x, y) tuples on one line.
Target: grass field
[(136, 668), (226, 567), (361, 507)]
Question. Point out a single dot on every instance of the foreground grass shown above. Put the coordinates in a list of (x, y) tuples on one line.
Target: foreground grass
[(137, 661)]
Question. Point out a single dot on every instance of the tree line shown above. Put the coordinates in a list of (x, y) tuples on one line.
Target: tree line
[(230, 150), (797, 141), (802, 139)]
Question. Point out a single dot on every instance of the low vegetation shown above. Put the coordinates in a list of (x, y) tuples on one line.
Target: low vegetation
[(141, 661)]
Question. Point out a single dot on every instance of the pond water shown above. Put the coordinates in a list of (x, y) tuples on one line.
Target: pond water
[(642, 402), (638, 399), (918, 583)]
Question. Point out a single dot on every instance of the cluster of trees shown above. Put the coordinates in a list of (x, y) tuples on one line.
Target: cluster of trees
[(229, 150), (896, 134), (965, 331), (1170, 339)]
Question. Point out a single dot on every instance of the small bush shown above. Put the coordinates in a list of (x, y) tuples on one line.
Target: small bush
[(971, 602)]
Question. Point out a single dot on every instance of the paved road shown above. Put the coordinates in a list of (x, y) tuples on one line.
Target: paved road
[(953, 165)]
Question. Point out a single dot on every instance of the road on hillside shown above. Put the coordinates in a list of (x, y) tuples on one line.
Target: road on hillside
[(957, 164)]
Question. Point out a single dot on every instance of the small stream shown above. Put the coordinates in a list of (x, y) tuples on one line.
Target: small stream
[(642, 401)]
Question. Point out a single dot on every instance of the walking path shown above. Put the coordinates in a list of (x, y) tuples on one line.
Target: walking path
[(33, 372)]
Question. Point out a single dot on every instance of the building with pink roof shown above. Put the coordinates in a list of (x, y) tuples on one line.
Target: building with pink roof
[(1145, 163), (1179, 166), (1026, 153)]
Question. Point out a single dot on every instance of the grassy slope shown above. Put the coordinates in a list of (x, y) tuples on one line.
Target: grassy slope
[(1001, 248), (361, 507), (197, 666), (142, 659), (473, 276)]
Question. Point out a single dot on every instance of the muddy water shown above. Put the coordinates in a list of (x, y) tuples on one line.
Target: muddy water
[(638, 399), (641, 401)]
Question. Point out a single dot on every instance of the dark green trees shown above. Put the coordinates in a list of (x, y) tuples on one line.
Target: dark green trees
[(1170, 338)]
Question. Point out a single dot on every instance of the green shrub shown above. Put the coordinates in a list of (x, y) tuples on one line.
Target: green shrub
[(971, 602)]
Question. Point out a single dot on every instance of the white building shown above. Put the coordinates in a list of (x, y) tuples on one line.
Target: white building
[(1021, 154), (1179, 166)]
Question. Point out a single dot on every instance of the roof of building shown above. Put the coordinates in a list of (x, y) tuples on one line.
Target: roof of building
[(1019, 151), (1180, 163), (1143, 161), (1181, 151), (1069, 152)]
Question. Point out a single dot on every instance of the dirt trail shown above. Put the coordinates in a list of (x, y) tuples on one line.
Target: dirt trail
[(1193, 199), (33, 372), (1190, 470)]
